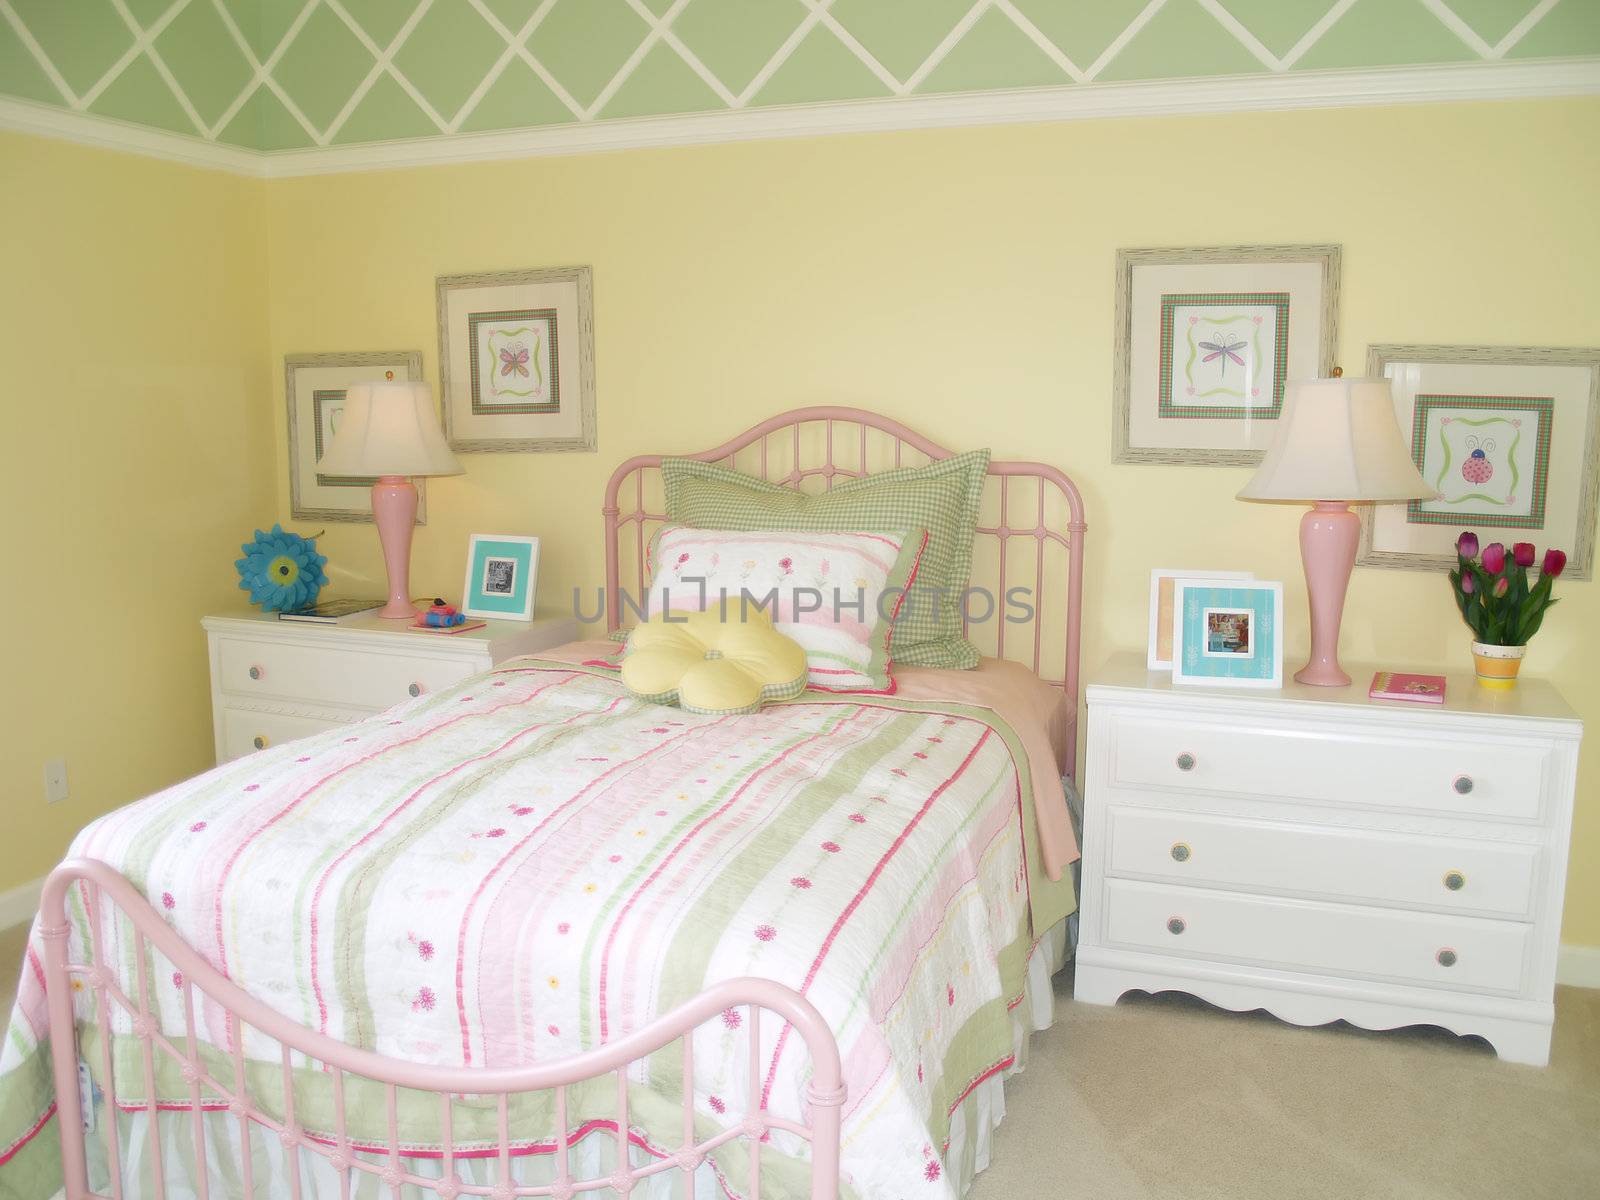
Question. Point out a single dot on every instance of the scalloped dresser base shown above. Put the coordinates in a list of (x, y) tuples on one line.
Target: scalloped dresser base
[(1518, 1039)]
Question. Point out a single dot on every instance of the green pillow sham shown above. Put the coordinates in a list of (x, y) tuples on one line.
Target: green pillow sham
[(941, 497)]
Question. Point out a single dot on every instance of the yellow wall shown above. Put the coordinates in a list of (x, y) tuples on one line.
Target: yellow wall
[(959, 280), (134, 396)]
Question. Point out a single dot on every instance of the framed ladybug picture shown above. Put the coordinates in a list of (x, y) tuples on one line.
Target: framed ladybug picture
[(1509, 438)]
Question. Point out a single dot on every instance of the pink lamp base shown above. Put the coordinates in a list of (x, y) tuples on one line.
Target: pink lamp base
[(394, 508), (1329, 533)]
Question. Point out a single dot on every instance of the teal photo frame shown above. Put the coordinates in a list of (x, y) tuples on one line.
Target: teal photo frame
[(502, 577), (1227, 633)]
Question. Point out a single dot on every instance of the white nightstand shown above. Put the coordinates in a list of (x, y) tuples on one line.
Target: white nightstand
[(1322, 855), (274, 680)]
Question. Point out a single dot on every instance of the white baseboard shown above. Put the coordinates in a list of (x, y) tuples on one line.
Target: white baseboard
[(18, 905), (1578, 966)]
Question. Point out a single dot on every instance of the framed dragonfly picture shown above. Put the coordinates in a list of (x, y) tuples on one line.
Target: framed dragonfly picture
[(516, 360), (1509, 436), (1206, 342), (314, 389)]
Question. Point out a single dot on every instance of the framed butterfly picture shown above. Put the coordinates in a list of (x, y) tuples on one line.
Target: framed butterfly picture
[(516, 360), (1207, 340)]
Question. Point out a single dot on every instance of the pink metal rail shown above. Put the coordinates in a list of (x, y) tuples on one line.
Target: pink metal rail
[(1029, 500), (103, 886)]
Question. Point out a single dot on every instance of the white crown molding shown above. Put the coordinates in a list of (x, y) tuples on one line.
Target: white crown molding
[(1247, 93), (106, 133)]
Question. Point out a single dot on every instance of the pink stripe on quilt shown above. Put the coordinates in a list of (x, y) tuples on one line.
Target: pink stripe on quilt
[(483, 884), (762, 770), (855, 901), (322, 880), (219, 887)]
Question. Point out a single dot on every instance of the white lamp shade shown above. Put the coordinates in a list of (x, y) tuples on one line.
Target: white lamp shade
[(1337, 439), (389, 429)]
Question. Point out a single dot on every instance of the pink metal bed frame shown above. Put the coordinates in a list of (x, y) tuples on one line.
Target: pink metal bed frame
[(844, 428), (106, 891)]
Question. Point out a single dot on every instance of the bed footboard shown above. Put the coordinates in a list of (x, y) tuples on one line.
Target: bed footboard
[(104, 889)]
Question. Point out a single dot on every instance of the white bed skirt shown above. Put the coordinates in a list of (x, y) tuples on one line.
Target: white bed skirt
[(971, 1135)]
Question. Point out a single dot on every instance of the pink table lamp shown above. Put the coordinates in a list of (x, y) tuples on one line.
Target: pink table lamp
[(390, 430), (1337, 442)]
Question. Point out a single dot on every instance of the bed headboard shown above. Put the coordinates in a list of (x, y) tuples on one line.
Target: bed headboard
[(1030, 528)]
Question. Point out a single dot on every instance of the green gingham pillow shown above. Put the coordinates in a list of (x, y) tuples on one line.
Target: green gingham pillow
[(941, 497)]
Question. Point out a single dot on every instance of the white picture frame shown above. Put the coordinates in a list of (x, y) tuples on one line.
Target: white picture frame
[(1158, 647), (502, 579), (1253, 607), (313, 389), (1548, 395), (1206, 340)]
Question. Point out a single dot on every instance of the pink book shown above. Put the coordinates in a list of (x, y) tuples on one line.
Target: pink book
[(1397, 685)]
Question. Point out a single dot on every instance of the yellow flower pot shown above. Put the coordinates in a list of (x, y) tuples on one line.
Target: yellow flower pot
[(1497, 666)]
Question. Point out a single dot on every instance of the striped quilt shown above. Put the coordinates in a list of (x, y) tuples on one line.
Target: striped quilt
[(533, 863)]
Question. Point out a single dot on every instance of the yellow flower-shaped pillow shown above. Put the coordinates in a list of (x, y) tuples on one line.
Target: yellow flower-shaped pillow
[(707, 664)]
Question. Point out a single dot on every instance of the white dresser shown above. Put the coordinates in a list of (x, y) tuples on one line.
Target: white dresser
[(1322, 855), (273, 680)]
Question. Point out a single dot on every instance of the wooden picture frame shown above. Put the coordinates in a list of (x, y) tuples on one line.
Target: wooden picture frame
[(516, 360), (1272, 315), (1532, 416), (313, 384)]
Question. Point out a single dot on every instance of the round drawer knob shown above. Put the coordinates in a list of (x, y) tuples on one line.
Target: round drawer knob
[(1463, 784), (1176, 925), (1446, 957), (1180, 851), (255, 672), (415, 689), (259, 742), (1185, 761), (1455, 880)]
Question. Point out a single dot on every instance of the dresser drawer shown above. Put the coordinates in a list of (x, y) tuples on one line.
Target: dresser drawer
[(245, 732), (1328, 939), (1449, 875), (326, 675), (1285, 761)]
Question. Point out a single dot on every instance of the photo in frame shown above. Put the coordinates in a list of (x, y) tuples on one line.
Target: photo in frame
[(1206, 342), (502, 576), (1227, 632), (314, 389), (1510, 438), (516, 360), (1163, 580)]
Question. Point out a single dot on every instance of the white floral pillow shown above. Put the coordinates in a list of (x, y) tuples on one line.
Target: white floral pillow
[(836, 594)]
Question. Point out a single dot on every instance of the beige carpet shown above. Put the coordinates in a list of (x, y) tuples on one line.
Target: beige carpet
[(1165, 1098)]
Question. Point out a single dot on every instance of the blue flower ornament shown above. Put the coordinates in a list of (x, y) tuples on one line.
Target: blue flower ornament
[(281, 571)]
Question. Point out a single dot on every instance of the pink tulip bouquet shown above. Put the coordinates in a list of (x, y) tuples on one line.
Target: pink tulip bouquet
[(1493, 594)]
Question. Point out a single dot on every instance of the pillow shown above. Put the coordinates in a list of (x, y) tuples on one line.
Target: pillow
[(941, 497), (836, 594), (707, 665)]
